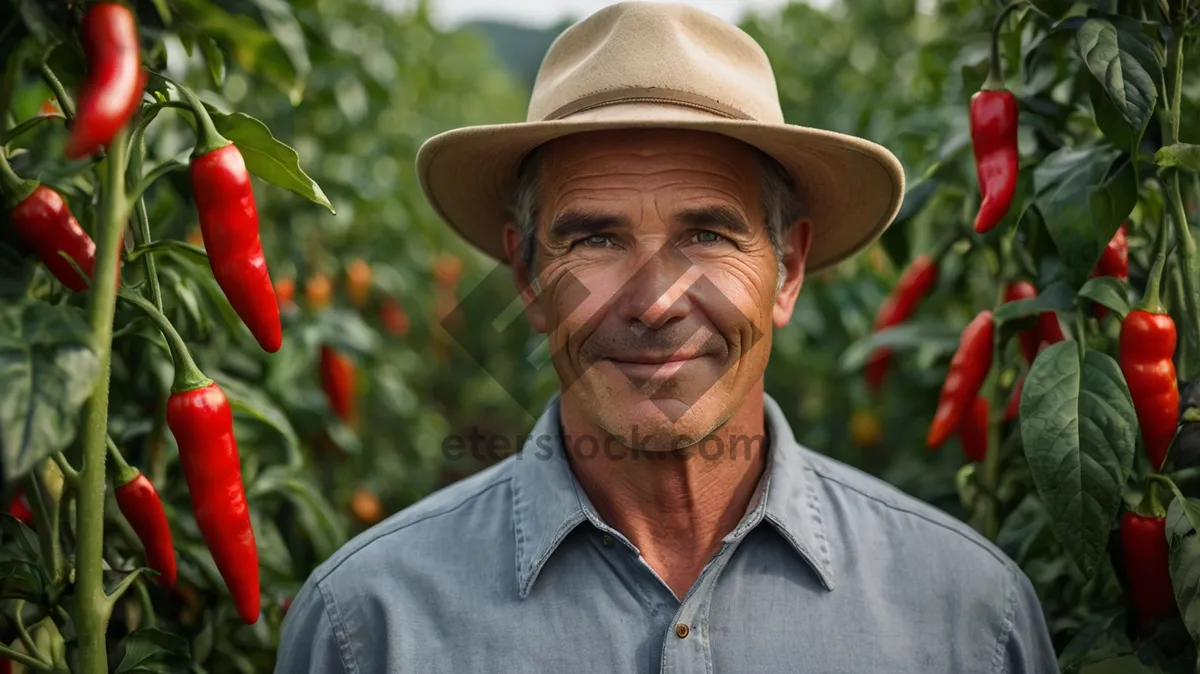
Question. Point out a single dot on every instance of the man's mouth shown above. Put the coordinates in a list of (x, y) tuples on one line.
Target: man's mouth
[(642, 368)]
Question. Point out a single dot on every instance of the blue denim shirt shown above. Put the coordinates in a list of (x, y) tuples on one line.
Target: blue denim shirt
[(512, 570)]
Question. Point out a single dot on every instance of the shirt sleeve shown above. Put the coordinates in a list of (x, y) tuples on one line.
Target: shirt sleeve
[(1028, 649), (309, 643)]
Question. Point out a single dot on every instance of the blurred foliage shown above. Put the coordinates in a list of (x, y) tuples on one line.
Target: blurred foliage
[(355, 90)]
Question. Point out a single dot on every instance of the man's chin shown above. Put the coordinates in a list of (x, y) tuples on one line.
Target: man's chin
[(659, 424)]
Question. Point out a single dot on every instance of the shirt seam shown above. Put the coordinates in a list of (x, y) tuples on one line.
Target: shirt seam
[(999, 664), (401, 526), (345, 650), (1007, 563)]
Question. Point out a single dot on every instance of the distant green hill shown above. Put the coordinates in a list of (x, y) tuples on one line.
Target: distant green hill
[(520, 48)]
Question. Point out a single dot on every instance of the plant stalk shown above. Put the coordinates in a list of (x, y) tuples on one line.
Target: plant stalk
[(60, 92), (27, 660), (1186, 248), (996, 406), (47, 530), (91, 605), (141, 229)]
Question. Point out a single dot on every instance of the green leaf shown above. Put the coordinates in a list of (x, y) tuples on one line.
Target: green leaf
[(20, 541), (1108, 291), (273, 554), (1183, 155), (1102, 638), (1078, 428), (314, 511), (287, 32), (1109, 119), (1122, 60), (253, 47), (1183, 517), (1056, 297), (249, 400), (48, 369), (895, 237), (33, 15), (937, 336), (1083, 196), (268, 158), (22, 580), (1022, 528), (1185, 569), (213, 57), (148, 650), (164, 12)]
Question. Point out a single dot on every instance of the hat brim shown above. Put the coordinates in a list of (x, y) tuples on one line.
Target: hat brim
[(851, 188)]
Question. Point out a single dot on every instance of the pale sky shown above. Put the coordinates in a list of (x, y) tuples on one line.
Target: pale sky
[(546, 12)]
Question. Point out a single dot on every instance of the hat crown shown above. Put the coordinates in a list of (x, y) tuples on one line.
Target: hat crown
[(666, 53)]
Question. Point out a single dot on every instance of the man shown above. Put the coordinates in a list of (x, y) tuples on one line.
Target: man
[(659, 218)]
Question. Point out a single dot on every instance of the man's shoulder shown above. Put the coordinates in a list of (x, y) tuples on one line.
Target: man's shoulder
[(868, 499), (453, 515)]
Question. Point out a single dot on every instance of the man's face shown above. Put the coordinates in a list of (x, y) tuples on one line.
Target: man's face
[(658, 280)]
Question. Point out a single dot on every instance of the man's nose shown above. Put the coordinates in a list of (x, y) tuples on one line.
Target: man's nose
[(658, 292)]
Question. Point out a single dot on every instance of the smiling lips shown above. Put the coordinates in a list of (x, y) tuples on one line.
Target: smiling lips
[(644, 368)]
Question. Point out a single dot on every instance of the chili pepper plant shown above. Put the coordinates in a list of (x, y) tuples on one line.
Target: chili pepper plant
[(177, 430), (109, 542), (1086, 303)]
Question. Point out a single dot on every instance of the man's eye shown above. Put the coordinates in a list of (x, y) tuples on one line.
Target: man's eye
[(596, 240), (706, 236)]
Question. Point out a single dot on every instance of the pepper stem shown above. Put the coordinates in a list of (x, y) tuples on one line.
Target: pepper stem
[(1152, 300), (188, 377), (15, 188), (1156, 479), (995, 77), (60, 92), (208, 138), (125, 472)]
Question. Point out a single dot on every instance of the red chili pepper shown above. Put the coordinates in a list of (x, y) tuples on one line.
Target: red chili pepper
[(114, 83), (229, 225), (1013, 409), (143, 509), (993, 116), (1144, 540), (20, 509), (1030, 339), (1146, 349), (973, 431), (1047, 329), (338, 379), (914, 284), (44, 222), (202, 423), (395, 320), (968, 369), (1114, 262)]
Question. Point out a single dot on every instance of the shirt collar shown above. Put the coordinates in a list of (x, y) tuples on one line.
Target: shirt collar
[(548, 502)]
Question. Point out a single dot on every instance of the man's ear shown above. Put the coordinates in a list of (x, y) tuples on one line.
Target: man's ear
[(797, 242), (522, 279)]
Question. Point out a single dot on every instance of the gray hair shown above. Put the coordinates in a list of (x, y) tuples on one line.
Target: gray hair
[(780, 203)]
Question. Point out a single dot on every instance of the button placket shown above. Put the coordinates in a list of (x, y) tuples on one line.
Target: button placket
[(686, 647)]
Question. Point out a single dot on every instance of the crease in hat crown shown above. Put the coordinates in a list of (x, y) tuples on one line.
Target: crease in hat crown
[(634, 52)]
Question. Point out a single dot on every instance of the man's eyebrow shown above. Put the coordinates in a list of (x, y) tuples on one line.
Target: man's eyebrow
[(571, 224), (723, 217)]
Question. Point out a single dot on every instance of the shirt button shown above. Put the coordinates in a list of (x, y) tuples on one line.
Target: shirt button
[(608, 540), (681, 631)]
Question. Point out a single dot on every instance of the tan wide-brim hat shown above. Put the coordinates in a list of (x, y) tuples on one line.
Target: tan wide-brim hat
[(650, 65)]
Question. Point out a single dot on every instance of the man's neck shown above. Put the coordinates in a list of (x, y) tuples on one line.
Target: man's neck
[(676, 507)]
